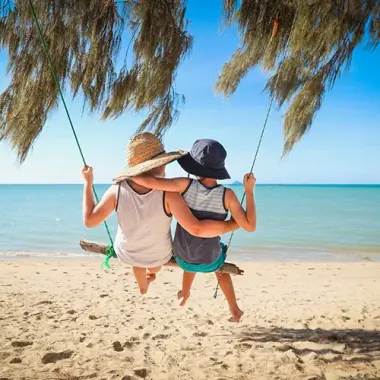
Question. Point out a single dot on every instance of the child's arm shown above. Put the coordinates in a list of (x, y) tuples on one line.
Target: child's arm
[(245, 219), (94, 214), (202, 228), (178, 185)]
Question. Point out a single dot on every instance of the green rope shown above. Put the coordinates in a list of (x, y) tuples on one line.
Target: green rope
[(106, 264), (109, 252)]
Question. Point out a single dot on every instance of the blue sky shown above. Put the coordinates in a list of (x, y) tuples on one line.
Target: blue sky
[(342, 146)]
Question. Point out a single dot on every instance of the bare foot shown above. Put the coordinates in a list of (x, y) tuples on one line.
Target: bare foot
[(182, 297), (236, 315)]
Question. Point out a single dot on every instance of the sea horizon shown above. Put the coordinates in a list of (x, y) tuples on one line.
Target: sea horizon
[(295, 222)]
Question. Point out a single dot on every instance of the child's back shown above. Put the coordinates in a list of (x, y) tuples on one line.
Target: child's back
[(205, 203)]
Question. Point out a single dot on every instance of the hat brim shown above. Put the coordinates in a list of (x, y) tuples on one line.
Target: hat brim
[(146, 166), (189, 165)]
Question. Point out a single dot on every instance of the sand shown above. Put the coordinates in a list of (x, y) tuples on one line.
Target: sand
[(68, 319)]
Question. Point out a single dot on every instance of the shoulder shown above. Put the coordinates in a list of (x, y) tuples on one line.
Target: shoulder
[(229, 192), (111, 195), (113, 190), (187, 182), (230, 197)]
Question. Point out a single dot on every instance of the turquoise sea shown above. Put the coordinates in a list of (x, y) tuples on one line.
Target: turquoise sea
[(295, 223)]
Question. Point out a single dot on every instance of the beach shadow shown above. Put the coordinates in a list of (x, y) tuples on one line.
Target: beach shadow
[(350, 346)]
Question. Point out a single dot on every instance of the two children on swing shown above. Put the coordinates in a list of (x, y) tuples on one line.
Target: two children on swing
[(145, 204), (207, 200)]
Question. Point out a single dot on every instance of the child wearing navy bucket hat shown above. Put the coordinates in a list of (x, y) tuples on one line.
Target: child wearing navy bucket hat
[(207, 200)]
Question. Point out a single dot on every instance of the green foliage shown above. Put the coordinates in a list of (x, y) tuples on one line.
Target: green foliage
[(84, 39), (305, 44), (321, 44)]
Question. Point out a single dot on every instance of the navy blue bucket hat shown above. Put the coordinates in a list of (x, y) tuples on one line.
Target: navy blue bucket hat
[(206, 159)]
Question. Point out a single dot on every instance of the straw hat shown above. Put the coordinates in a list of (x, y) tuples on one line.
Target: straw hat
[(146, 152)]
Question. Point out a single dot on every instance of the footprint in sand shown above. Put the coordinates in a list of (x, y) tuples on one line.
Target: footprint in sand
[(128, 344), (161, 336), (53, 357), (141, 372), (20, 344), (117, 346), (132, 342), (15, 361), (243, 346)]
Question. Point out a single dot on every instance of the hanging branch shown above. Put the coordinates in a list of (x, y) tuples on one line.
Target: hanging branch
[(325, 35), (85, 39)]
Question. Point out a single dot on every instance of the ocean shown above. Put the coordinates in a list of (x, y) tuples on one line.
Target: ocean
[(294, 223)]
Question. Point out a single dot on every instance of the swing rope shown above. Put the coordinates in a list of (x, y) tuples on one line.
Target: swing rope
[(109, 250), (261, 135)]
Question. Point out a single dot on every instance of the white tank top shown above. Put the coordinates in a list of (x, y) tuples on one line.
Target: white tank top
[(143, 236)]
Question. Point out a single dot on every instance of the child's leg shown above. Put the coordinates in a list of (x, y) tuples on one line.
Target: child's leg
[(151, 275), (225, 283), (187, 281), (141, 278)]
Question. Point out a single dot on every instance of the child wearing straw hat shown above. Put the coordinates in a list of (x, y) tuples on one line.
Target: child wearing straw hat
[(143, 238), (207, 200)]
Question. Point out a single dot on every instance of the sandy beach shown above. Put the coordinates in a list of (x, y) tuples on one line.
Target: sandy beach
[(68, 319)]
